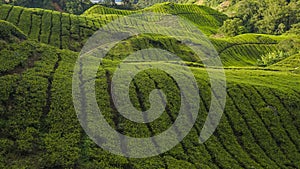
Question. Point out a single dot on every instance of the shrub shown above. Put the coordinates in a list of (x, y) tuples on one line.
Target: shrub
[(8, 30), (271, 58), (286, 48)]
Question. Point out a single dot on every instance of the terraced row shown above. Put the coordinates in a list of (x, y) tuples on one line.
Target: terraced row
[(231, 51), (40, 124), (232, 149), (291, 63), (62, 30), (207, 19), (144, 3), (67, 31), (70, 31)]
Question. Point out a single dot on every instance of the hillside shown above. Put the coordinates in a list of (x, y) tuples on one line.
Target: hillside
[(251, 16), (260, 126), (67, 31), (70, 6), (291, 63), (207, 19), (39, 125)]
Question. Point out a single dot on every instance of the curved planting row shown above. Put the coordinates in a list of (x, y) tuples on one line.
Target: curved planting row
[(207, 19), (260, 126), (68, 31), (245, 50), (245, 55), (144, 3), (61, 30), (291, 63)]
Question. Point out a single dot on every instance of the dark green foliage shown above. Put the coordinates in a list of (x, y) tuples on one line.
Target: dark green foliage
[(15, 14), (75, 6), (15, 57), (233, 27), (267, 16), (39, 126), (62, 133), (70, 6), (46, 27), (67, 31), (35, 21), (56, 29), (9, 32), (22, 115), (25, 21), (32, 3), (62, 30)]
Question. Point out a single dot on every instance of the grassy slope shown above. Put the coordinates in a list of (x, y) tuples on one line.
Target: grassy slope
[(67, 31), (39, 128), (291, 63), (205, 18)]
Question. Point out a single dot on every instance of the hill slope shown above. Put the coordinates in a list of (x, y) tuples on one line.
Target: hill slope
[(206, 18), (67, 31), (39, 126), (291, 63)]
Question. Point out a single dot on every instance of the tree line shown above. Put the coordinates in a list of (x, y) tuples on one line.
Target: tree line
[(265, 16)]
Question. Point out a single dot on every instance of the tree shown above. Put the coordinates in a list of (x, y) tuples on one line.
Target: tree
[(249, 12), (273, 14), (232, 27), (268, 16), (77, 6)]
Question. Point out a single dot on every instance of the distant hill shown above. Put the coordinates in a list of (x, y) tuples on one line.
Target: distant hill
[(71, 6), (207, 19), (68, 31)]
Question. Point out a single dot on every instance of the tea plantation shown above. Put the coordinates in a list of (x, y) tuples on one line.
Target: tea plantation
[(260, 127)]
